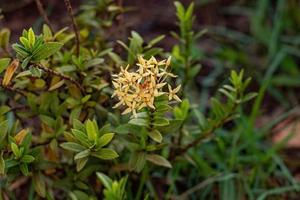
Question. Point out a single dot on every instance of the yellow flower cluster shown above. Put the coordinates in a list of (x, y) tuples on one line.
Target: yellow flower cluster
[(137, 89)]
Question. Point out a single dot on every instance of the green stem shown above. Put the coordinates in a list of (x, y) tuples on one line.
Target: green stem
[(142, 183)]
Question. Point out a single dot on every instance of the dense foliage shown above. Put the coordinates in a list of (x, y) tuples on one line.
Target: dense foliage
[(81, 119)]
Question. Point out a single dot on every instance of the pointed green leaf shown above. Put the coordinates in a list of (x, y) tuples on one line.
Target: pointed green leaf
[(105, 139), (31, 37), (48, 50), (82, 154), (91, 130), (105, 154), (2, 164), (138, 122), (158, 160), (15, 149), (72, 146), (3, 128), (155, 135), (81, 137), (106, 181), (80, 163), (27, 159), (4, 62), (160, 121), (39, 184), (24, 169)]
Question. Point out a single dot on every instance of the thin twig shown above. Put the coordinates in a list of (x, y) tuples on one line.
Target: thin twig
[(18, 183), (50, 71), (11, 89), (75, 28), (43, 13)]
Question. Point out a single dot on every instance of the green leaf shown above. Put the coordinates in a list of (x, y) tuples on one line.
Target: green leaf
[(249, 96), (39, 184), (160, 121), (24, 41), (158, 160), (81, 137), (4, 38), (138, 122), (93, 62), (20, 50), (155, 41), (3, 128), (47, 34), (48, 49), (72, 146), (27, 159), (31, 37), (105, 139), (105, 154), (106, 181), (25, 62), (137, 161), (35, 72), (91, 130), (80, 163), (155, 135), (24, 169), (4, 62), (82, 154), (78, 125), (15, 150), (2, 164)]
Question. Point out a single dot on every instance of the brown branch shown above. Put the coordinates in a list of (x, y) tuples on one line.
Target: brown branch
[(42, 12), (11, 89), (67, 78), (75, 28)]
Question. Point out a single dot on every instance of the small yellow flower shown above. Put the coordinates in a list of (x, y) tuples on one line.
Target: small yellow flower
[(172, 93), (138, 89)]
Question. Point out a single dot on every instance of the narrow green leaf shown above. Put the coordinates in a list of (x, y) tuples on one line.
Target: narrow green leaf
[(2, 164), (160, 121), (31, 37), (82, 154), (155, 41), (80, 163), (158, 160), (105, 139), (15, 149), (81, 137), (91, 130), (48, 50), (25, 62), (155, 135), (20, 50), (4, 62), (249, 96), (137, 161), (27, 159), (138, 122), (106, 181), (105, 154), (24, 169), (3, 128), (39, 184), (24, 41), (4, 38), (47, 34), (72, 146), (78, 125)]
